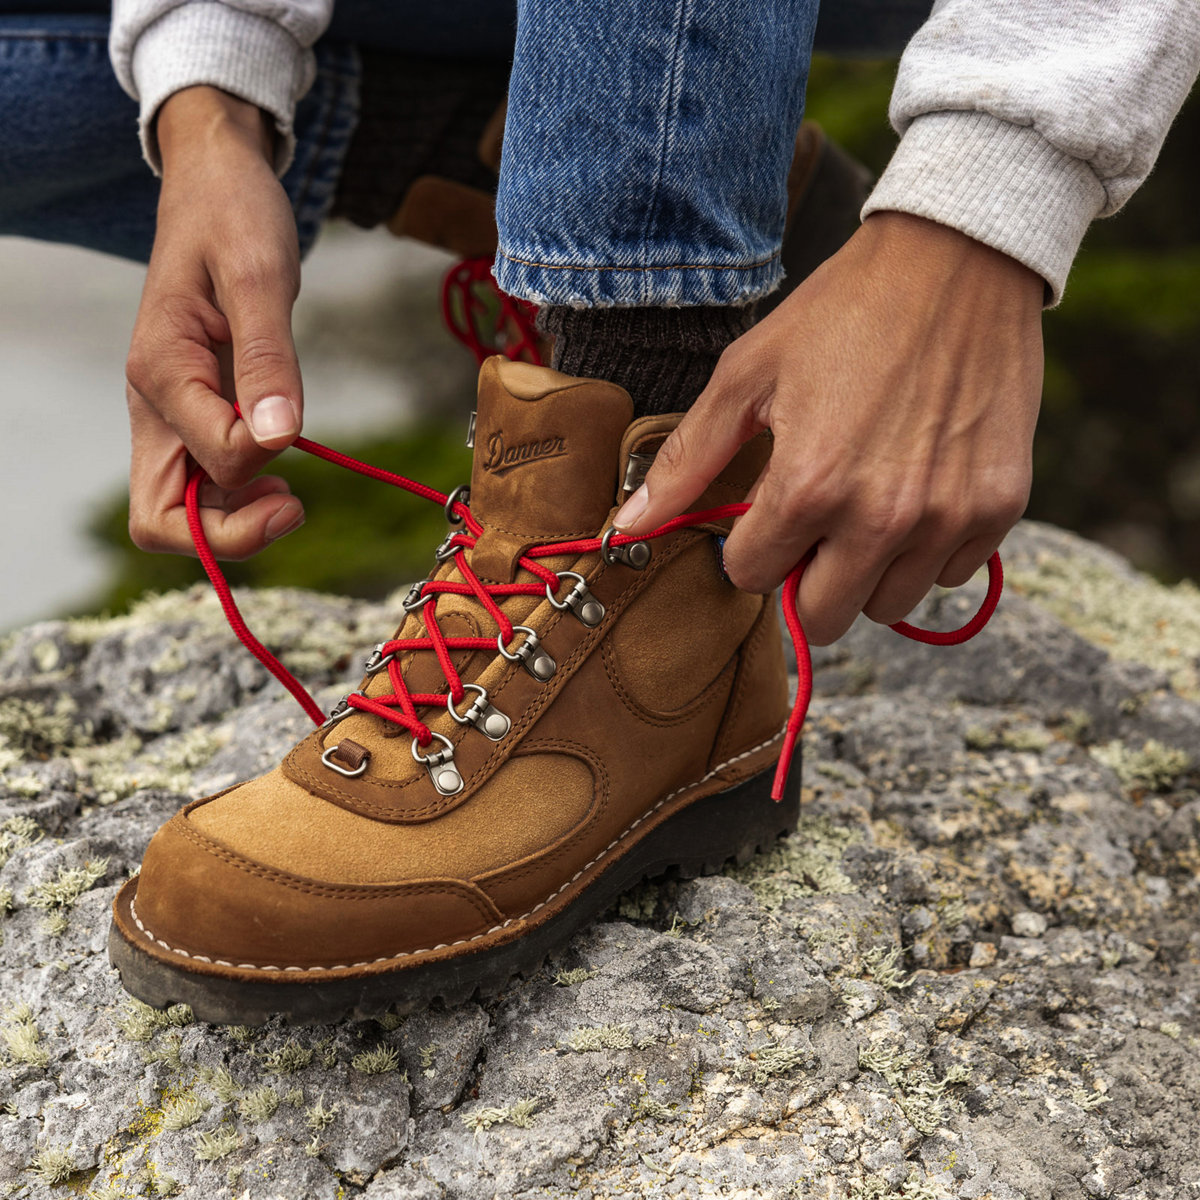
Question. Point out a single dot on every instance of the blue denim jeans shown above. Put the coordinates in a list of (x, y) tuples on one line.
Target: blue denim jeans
[(645, 156)]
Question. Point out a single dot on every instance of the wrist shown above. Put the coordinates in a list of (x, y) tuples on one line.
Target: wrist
[(198, 122), (933, 255)]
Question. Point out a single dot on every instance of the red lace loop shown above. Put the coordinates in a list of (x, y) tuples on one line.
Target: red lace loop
[(400, 706), (485, 319)]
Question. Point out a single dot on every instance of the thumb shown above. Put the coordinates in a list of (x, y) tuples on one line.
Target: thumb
[(266, 372), (701, 444)]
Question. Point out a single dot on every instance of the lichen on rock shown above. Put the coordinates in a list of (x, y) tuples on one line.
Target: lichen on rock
[(972, 972)]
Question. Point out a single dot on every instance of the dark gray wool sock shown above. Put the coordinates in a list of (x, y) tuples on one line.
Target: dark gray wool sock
[(663, 357)]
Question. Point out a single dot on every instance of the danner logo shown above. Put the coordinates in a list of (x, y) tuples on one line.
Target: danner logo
[(502, 457)]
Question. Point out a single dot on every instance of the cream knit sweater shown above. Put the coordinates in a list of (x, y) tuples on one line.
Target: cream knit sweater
[(1020, 120)]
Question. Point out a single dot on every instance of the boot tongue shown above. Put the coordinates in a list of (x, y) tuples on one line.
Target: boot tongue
[(547, 456)]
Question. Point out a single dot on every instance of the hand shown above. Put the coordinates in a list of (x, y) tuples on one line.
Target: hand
[(901, 382), (215, 325)]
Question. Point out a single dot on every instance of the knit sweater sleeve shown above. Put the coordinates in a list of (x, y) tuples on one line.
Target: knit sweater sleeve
[(258, 50), (1023, 120)]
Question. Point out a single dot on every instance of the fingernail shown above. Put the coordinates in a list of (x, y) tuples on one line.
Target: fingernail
[(633, 508), (272, 417), (283, 523)]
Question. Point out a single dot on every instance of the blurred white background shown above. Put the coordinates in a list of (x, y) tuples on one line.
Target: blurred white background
[(371, 348)]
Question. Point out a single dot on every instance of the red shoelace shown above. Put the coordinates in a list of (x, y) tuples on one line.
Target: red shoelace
[(487, 321), (400, 706)]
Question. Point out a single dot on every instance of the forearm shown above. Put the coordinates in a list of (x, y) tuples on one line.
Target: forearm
[(1023, 120), (258, 51)]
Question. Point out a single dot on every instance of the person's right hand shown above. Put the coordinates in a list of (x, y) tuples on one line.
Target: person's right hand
[(214, 325)]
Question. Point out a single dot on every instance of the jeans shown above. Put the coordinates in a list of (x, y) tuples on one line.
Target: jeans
[(646, 166)]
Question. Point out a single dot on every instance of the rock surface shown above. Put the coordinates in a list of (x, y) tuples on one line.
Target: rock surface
[(973, 972)]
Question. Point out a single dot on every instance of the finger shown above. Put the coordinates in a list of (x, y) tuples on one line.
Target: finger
[(905, 583), (266, 372), (212, 496), (700, 445), (967, 559), (172, 367), (837, 583), (237, 524)]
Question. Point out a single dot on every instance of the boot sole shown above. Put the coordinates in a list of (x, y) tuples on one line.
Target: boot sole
[(699, 839)]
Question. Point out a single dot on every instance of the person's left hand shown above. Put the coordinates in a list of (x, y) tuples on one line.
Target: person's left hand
[(901, 382)]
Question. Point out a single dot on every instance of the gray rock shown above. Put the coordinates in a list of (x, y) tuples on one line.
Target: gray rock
[(972, 971)]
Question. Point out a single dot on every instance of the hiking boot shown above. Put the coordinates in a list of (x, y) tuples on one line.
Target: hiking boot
[(547, 728)]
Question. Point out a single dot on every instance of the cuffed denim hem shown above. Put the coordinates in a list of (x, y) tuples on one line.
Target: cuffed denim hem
[(613, 287), (325, 122)]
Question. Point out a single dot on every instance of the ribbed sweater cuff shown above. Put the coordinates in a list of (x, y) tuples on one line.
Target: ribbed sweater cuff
[(208, 43), (1004, 185)]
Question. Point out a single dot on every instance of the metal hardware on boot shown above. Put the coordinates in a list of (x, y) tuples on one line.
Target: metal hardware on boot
[(471, 433), (447, 549), (377, 660), (632, 554), (486, 717), (460, 495), (357, 756), (340, 711), (443, 774), (579, 600), (531, 655), (635, 471), (413, 599)]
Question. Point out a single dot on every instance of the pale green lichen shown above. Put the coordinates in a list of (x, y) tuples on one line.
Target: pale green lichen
[(318, 1117), (184, 1111), (918, 1093), (1154, 766), (1171, 1029), (53, 1165), (599, 1037), (378, 1061), (259, 1104), (1133, 618), (17, 833), (23, 1038), (519, 1114), (168, 1052), (221, 1083), (647, 1108), (880, 964), (915, 1186), (1022, 738), (771, 1061), (388, 1021), (426, 1055), (33, 730), (215, 1144), (293, 1097), (67, 886), (807, 863), (1090, 1100), (575, 976), (287, 1060)]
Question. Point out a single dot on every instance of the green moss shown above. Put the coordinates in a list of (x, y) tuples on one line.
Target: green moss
[(573, 977), (378, 1061), (259, 1104), (318, 1117), (287, 1060), (770, 1062), (1154, 766), (807, 863), (215, 1144), (53, 1165), (519, 1114), (67, 886), (599, 1037)]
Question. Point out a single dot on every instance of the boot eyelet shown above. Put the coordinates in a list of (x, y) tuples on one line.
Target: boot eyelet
[(443, 774), (632, 554), (579, 600), (486, 717), (460, 495), (530, 654)]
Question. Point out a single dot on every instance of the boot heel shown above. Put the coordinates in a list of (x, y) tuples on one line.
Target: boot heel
[(731, 825)]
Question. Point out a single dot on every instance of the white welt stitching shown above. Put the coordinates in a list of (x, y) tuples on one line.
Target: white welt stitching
[(220, 962)]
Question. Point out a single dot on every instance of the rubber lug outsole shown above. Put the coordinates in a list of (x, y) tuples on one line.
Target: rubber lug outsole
[(700, 839)]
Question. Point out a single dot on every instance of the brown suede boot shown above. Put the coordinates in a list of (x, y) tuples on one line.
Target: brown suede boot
[(628, 726)]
